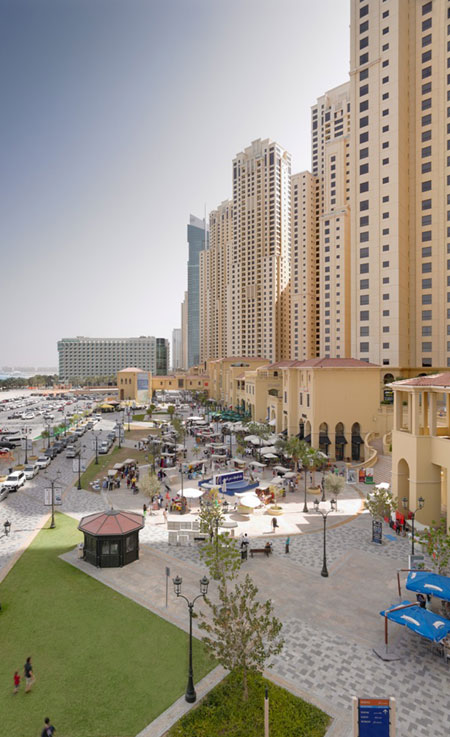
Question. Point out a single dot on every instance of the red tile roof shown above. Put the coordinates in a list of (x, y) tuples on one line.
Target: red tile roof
[(285, 363), (334, 363), (113, 522), (438, 380)]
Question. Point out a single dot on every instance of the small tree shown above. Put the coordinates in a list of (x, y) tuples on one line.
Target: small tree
[(244, 633), (333, 485), (149, 484), (210, 518), (380, 503), (436, 541), (222, 557), (150, 410)]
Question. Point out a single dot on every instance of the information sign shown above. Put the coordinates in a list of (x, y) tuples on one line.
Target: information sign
[(377, 531), (48, 497), (228, 477), (373, 717)]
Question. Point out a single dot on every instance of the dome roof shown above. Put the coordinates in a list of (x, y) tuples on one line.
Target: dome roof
[(112, 522)]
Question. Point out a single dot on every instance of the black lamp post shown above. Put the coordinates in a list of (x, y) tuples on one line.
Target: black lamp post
[(421, 502), (79, 467), (26, 431), (190, 695), (7, 527), (52, 486), (96, 437), (305, 505), (119, 431), (324, 571)]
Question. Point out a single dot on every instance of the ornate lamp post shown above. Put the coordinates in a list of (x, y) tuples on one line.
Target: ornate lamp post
[(96, 434), (324, 571), (7, 527), (421, 503), (190, 695)]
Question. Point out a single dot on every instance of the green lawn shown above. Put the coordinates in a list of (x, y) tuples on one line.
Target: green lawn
[(223, 713), (106, 461), (104, 666)]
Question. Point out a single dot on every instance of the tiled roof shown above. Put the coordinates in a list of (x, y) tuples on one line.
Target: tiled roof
[(286, 363), (441, 380), (131, 370), (113, 522), (334, 363)]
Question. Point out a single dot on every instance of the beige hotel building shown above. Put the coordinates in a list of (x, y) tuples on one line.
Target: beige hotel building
[(400, 175)]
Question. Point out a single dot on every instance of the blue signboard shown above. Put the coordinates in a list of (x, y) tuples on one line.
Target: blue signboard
[(142, 382), (228, 477), (377, 531), (373, 717)]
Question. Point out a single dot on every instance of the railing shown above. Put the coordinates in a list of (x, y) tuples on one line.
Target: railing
[(387, 442), (372, 458)]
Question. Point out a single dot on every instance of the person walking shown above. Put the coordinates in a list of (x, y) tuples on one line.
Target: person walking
[(49, 729), (274, 523), (144, 512), (29, 675), (287, 543), (16, 682)]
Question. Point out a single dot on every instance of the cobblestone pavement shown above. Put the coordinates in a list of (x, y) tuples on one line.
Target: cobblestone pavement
[(330, 625)]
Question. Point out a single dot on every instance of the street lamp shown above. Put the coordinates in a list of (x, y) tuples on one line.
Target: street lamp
[(119, 431), (96, 434), (79, 466), (52, 485), (7, 527), (333, 505), (421, 502), (26, 430), (190, 695)]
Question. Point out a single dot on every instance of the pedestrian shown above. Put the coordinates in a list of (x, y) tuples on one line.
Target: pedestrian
[(128, 482), (144, 511), (165, 516), (49, 729), (29, 675), (274, 523), (16, 682), (287, 543)]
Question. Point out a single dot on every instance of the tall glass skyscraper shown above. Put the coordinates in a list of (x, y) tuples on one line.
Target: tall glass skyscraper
[(197, 237)]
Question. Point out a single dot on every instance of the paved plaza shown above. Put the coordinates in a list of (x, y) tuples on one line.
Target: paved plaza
[(330, 625)]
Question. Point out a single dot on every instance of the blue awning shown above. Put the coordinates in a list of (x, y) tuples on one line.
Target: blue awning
[(424, 582), (419, 620)]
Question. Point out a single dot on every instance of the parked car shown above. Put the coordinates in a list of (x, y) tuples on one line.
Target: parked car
[(31, 471), (51, 452), (104, 447), (15, 480), (71, 451), (28, 416), (7, 444), (43, 461)]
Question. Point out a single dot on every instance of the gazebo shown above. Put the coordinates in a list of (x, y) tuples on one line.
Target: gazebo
[(111, 539)]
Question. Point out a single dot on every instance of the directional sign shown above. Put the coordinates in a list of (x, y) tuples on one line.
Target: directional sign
[(377, 531), (373, 718), (48, 496)]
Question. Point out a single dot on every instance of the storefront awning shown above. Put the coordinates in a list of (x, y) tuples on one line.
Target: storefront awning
[(307, 438), (324, 440), (357, 440), (340, 440)]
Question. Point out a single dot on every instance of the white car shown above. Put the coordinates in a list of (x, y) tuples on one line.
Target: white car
[(31, 471), (43, 462), (15, 480), (28, 416)]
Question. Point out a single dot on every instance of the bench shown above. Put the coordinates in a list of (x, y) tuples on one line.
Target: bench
[(266, 551)]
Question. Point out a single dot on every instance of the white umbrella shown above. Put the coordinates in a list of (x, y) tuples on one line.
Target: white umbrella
[(290, 475), (382, 485), (269, 455), (250, 500), (268, 449), (257, 465), (193, 493), (281, 469)]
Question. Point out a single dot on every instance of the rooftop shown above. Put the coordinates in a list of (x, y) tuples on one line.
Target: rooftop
[(334, 363), (433, 380), (131, 370)]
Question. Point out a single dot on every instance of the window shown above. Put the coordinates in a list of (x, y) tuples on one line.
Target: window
[(364, 74), (364, 299), (364, 169), (427, 283), (426, 347), (425, 8), (426, 299), (386, 313), (364, 42), (426, 72), (426, 186), (426, 236), (363, 106), (364, 205), (426, 331), (426, 267), (364, 58), (364, 331), (364, 284), (364, 253), (426, 251), (364, 187), (385, 345), (426, 56), (385, 264), (363, 153), (362, 124), (363, 27), (426, 314), (365, 11), (364, 221), (364, 347), (426, 104), (363, 90), (426, 204), (426, 167), (426, 88), (364, 315)]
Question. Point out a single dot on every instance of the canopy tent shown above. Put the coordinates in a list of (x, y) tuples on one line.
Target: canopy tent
[(239, 461), (281, 469), (424, 582), (382, 485), (118, 466), (256, 464), (270, 455), (290, 475), (422, 621), (272, 423), (253, 439), (268, 449), (129, 461)]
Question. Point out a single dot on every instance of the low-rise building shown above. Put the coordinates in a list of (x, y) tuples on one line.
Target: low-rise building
[(134, 384), (421, 445)]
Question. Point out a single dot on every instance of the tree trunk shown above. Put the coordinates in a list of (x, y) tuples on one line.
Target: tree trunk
[(245, 684)]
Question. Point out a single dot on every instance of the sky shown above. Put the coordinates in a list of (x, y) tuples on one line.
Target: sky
[(118, 119)]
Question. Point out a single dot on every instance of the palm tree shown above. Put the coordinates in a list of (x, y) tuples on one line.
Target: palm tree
[(150, 410), (310, 458)]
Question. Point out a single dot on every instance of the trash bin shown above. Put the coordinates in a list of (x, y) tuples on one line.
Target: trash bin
[(81, 550)]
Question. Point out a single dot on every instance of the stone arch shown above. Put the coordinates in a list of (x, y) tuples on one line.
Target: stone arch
[(388, 378), (356, 441), (308, 432), (324, 440), (340, 441), (402, 482)]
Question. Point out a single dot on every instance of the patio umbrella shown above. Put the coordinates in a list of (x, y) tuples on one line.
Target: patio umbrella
[(193, 493), (382, 485), (423, 622), (250, 500), (290, 475), (269, 455), (424, 582)]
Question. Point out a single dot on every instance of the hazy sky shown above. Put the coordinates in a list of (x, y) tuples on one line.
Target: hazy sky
[(120, 117)]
